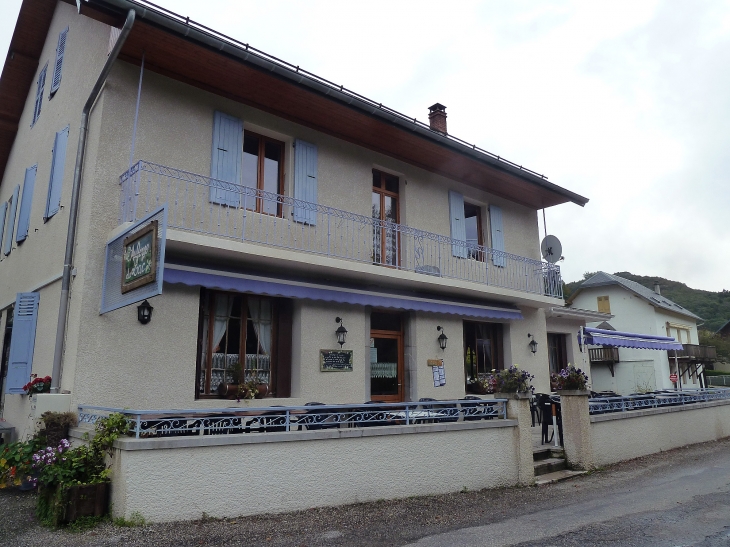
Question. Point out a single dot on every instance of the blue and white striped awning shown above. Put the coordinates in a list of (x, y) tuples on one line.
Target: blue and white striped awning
[(601, 337), (288, 288)]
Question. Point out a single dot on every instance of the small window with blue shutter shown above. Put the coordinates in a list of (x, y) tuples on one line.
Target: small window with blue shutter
[(226, 160), (12, 208), (22, 341), (25, 204), (58, 163), (58, 65), (3, 213), (305, 181), (497, 229), (41, 85)]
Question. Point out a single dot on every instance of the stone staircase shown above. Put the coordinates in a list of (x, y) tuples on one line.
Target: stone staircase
[(550, 466)]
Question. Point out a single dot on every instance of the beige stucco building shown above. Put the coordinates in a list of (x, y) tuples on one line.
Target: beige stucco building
[(287, 207)]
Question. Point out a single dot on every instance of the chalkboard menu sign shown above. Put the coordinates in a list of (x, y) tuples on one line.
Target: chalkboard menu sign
[(139, 265), (335, 360)]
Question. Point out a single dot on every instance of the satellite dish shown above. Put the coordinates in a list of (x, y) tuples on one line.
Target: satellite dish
[(551, 249)]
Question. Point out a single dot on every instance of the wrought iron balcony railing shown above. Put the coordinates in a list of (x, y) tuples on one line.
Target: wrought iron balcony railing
[(603, 405), (209, 206)]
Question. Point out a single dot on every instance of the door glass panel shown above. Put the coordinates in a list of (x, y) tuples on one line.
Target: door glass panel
[(377, 230), (258, 340), (250, 167), (272, 158), (390, 233), (383, 367), (226, 340)]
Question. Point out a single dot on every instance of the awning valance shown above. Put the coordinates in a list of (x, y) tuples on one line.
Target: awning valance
[(254, 284), (601, 337)]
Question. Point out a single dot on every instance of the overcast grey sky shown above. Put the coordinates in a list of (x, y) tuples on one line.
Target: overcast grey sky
[(624, 102)]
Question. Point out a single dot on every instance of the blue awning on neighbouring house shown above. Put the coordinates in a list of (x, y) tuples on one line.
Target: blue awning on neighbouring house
[(601, 337), (256, 284)]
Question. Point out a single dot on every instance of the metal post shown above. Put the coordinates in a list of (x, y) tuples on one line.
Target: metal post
[(136, 112)]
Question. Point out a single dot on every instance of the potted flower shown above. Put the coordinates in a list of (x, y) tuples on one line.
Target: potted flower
[(514, 380), (247, 390), (16, 463), (74, 482), (570, 378), (57, 425), (38, 385)]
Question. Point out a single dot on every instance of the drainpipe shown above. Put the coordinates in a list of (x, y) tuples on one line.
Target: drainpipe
[(74, 209)]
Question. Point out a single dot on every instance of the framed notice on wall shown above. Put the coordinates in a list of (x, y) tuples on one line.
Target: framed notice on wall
[(139, 265), (335, 360)]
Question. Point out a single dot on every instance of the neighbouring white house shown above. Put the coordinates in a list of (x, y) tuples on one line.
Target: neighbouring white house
[(638, 309), (274, 229)]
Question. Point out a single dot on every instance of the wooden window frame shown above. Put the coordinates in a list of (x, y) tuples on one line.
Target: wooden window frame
[(382, 192), (263, 139), (279, 378), (607, 307)]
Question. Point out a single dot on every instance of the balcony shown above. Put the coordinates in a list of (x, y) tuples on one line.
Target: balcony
[(603, 356), (212, 207), (696, 353)]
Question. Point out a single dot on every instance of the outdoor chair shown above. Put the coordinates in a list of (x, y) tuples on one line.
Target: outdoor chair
[(477, 409), (372, 416), (318, 418), (271, 421), (438, 413)]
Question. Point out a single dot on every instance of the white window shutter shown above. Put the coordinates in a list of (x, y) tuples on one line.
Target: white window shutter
[(305, 180), (458, 224), (26, 204), (226, 158), (58, 65), (12, 208), (496, 225), (22, 341), (58, 164)]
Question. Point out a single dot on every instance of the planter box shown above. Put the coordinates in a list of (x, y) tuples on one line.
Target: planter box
[(523, 395), (85, 500)]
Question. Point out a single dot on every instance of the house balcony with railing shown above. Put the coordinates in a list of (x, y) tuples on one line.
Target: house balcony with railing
[(202, 206), (696, 353)]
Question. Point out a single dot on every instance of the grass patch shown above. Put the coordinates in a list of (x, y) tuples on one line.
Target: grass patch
[(83, 524), (135, 519)]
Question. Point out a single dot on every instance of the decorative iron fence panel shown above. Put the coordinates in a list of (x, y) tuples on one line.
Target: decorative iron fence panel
[(603, 405), (330, 232)]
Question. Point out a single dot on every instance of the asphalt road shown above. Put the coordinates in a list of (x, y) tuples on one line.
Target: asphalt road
[(676, 498)]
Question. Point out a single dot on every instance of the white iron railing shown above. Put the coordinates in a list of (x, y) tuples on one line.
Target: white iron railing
[(255, 216)]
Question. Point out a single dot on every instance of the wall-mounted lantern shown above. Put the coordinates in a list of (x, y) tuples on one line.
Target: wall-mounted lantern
[(442, 338), (341, 332), (532, 344), (144, 312)]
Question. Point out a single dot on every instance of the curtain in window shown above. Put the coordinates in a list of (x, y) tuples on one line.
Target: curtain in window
[(259, 311), (223, 308)]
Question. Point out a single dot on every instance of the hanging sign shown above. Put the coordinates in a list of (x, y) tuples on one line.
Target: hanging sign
[(139, 265), (335, 360)]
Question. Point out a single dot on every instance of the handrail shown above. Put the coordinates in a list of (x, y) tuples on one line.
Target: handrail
[(330, 231)]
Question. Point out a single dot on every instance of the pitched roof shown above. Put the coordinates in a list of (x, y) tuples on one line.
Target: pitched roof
[(657, 300)]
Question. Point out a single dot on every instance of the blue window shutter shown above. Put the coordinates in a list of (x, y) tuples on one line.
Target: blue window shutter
[(458, 223), (495, 223), (58, 66), (39, 95), (22, 341), (57, 167), (26, 204), (226, 158), (3, 211), (305, 180), (12, 208)]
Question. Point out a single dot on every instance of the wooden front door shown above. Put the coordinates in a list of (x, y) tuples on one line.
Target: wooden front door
[(386, 357)]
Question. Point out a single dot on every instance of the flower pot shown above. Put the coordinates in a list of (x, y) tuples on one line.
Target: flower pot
[(85, 500), (263, 390), (54, 434), (476, 388), (227, 391)]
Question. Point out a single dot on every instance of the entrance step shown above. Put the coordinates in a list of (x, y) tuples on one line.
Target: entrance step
[(557, 476), (544, 453), (549, 465)]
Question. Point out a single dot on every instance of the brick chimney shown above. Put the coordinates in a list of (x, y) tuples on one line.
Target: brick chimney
[(657, 288), (437, 117)]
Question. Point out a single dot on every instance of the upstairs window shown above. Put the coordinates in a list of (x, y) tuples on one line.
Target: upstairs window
[(473, 221), (40, 86), (604, 306), (263, 160)]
